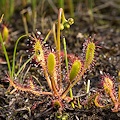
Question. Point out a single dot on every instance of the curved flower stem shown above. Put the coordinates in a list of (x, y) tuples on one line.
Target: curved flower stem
[(58, 44), (61, 18), (54, 34)]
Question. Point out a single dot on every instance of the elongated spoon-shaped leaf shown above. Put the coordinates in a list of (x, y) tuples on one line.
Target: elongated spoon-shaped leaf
[(76, 67), (51, 63), (90, 52)]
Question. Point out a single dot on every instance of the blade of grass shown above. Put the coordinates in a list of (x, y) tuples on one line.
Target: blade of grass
[(66, 62), (34, 6), (65, 52), (6, 54), (14, 54), (11, 5), (61, 3), (71, 8), (47, 36), (54, 35), (24, 21), (24, 65)]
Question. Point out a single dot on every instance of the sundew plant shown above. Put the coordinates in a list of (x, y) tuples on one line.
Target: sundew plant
[(56, 65)]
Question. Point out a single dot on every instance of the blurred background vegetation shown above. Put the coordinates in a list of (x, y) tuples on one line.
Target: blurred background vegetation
[(33, 12)]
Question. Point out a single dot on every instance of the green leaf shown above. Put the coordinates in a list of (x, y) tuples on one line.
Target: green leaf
[(90, 52), (51, 63), (76, 67)]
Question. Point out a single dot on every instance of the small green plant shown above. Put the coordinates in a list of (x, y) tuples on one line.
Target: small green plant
[(109, 89), (57, 66), (11, 68), (52, 64), (3, 40)]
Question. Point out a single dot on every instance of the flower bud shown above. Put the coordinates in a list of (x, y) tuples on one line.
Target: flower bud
[(5, 33), (61, 27), (70, 21), (66, 25)]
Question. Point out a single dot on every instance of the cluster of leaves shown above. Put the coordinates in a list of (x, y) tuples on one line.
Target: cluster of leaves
[(52, 62)]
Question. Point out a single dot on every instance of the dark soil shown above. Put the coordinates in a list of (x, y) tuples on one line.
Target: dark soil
[(106, 26)]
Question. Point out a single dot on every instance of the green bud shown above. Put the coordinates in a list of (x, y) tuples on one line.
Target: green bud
[(66, 25), (5, 33), (70, 21), (61, 27)]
